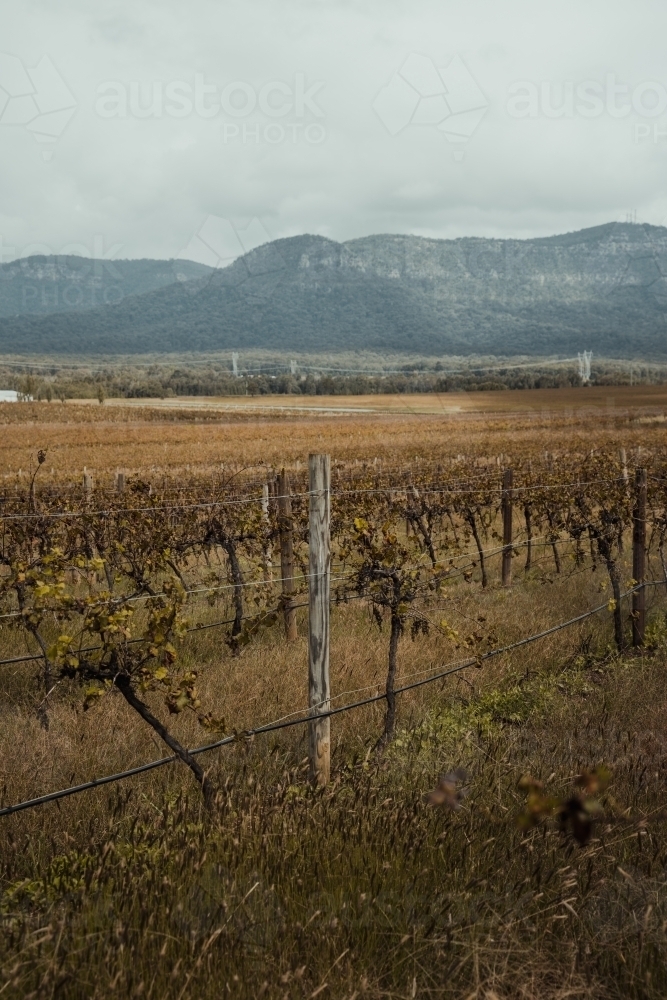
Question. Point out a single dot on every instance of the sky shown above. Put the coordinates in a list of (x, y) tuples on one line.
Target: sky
[(200, 129)]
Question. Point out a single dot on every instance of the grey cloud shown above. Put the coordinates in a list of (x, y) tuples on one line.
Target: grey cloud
[(333, 118)]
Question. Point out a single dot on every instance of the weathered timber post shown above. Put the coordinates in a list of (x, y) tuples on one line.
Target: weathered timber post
[(664, 563), (639, 559), (319, 546), (120, 482), (267, 561), (508, 482), (528, 516), (623, 461), (286, 554)]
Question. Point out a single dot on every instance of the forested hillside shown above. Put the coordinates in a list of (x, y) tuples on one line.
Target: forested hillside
[(601, 289)]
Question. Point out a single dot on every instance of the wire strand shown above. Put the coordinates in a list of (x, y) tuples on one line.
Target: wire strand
[(332, 493), (288, 723)]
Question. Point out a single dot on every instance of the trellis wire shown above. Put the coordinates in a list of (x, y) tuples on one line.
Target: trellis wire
[(288, 723), (377, 491)]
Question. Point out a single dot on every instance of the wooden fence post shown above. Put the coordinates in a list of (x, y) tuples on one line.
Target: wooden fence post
[(87, 481), (267, 561), (120, 482), (623, 461), (286, 554), (319, 546), (639, 559), (508, 482)]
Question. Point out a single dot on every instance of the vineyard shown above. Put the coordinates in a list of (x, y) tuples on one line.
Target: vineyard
[(467, 603)]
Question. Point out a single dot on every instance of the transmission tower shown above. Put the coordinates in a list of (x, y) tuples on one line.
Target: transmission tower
[(584, 361)]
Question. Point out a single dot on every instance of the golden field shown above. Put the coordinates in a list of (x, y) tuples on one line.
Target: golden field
[(174, 436)]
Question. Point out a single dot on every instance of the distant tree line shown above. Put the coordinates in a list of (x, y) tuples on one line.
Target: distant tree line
[(161, 381)]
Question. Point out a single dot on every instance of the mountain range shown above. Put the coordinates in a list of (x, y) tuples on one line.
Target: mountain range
[(602, 289), (41, 285)]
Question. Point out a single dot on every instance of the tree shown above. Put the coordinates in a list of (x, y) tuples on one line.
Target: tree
[(28, 387)]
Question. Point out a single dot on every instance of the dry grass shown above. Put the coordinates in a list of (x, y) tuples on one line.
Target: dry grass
[(269, 680), (134, 890)]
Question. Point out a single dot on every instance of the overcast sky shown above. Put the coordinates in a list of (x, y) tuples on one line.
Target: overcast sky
[(128, 128)]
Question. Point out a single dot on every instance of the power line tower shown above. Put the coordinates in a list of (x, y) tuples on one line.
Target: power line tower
[(235, 363), (584, 361)]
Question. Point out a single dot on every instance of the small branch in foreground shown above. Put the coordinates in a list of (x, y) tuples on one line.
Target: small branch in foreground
[(124, 685)]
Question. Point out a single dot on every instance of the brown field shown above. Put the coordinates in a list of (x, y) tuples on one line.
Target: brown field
[(506, 401), (174, 436), (363, 891)]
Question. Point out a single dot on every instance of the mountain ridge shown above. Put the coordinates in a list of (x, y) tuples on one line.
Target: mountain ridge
[(603, 288), (42, 284)]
